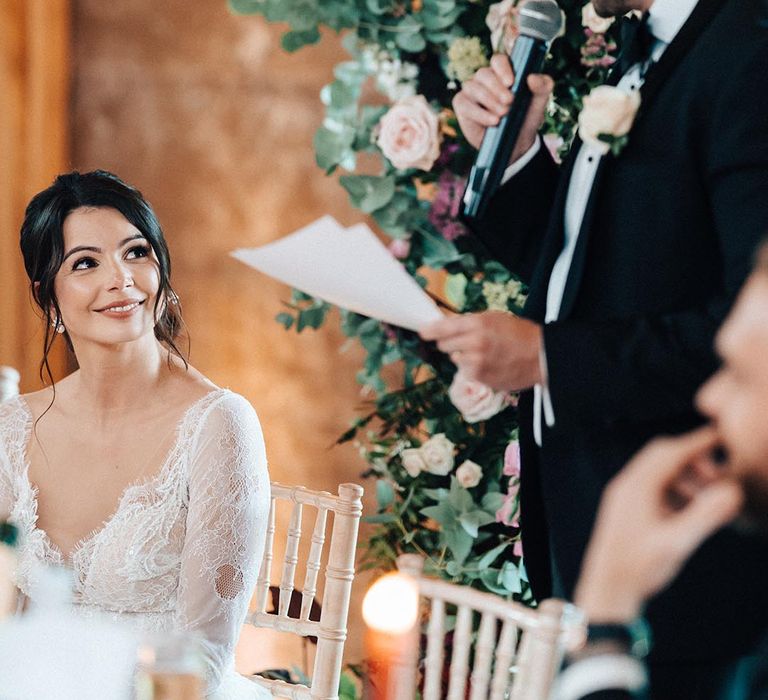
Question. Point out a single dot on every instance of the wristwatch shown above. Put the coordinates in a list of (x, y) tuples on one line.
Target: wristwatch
[(634, 637)]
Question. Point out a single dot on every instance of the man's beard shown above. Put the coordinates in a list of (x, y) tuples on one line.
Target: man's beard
[(754, 513)]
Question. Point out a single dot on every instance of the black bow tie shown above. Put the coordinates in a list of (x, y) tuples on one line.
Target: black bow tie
[(636, 43)]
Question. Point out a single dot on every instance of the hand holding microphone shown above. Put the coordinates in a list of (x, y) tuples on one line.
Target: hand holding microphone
[(503, 107), (486, 98)]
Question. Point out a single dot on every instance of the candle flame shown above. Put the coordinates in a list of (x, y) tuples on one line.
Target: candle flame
[(391, 604)]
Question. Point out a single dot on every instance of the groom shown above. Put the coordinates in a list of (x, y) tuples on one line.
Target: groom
[(633, 261)]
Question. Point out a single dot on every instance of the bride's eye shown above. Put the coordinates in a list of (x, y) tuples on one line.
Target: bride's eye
[(137, 251), (84, 263)]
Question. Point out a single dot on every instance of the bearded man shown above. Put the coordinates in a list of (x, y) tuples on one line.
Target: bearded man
[(672, 496), (633, 260)]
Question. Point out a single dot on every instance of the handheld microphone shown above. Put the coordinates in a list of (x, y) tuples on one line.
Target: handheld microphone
[(539, 22)]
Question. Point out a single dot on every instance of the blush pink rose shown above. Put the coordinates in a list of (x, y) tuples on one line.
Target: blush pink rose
[(409, 134), (474, 400), (507, 514), (400, 248), (512, 460)]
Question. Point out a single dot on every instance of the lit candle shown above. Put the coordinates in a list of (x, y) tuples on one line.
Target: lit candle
[(391, 610)]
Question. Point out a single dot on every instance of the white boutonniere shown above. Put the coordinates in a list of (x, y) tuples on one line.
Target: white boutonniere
[(607, 117)]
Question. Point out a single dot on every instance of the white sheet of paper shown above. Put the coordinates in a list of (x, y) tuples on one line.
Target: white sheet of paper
[(350, 268)]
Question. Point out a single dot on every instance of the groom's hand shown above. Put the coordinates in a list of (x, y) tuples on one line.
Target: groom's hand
[(486, 97), (496, 348)]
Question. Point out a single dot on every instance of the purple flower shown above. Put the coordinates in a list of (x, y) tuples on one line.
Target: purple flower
[(445, 206), (446, 153), (596, 51), (400, 248)]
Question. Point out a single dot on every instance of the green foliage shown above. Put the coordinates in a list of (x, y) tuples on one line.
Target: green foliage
[(398, 48)]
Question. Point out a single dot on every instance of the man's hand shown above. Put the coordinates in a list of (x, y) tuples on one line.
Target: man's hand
[(652, 517), (496, 348), (486, 97)]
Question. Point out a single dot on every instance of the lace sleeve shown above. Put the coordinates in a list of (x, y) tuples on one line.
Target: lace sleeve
[(12, 424), (226, 529)]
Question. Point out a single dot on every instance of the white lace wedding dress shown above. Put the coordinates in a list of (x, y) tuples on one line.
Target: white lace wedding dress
[(182, 550)]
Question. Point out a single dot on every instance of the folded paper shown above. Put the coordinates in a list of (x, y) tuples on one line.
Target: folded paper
[(348, 267)]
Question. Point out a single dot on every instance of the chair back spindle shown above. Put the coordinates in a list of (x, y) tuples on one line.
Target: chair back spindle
[(331, 629), (516, 653)]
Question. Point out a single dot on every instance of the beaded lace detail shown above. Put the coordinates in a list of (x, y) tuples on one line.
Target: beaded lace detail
[(182, 549)]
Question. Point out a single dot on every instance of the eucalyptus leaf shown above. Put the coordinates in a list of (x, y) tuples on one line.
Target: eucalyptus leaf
[(510, 578), (459, 543), (491, 556), (286, 320), (438, 252), (368, 192), (385, 494), (293, 41)]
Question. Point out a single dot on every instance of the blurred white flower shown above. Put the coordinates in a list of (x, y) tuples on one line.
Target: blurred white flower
[(437, 453), (502, 21), (594, 22), (608, 111), (395, 78), (413, 462), (469, 474), (474, 400)]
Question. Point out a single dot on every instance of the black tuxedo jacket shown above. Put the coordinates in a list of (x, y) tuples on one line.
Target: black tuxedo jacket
[(667, 241)]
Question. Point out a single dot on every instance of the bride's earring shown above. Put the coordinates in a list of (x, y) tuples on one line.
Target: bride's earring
[(58, 326), (173, 298)]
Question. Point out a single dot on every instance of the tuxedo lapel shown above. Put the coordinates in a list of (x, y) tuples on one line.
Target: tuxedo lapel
[(536, 304), (701, 17)]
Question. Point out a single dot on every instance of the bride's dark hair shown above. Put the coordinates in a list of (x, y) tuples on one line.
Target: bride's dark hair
[(42, 245)]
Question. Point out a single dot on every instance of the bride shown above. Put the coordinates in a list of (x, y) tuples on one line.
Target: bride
[(138, 473)]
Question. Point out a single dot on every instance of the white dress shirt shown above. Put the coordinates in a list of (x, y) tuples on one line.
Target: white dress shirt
[(665, 19)]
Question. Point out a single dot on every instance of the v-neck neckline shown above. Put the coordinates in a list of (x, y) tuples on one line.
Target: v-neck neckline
[(140, 483)]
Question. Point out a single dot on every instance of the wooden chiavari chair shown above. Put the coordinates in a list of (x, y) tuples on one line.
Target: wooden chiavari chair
[(517, 650), (331, 629)]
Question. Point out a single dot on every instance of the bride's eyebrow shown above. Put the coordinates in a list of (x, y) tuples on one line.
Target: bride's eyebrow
[(95, 249)]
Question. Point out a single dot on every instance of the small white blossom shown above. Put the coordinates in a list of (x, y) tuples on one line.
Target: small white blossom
[(469, 474), (594, 22), (437, 453), (465, 56), (413, 462)]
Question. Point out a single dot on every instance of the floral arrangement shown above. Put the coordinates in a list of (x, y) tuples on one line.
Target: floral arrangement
[(443, 449)]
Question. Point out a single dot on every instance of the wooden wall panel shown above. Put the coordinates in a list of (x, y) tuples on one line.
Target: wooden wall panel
[(34, 84)]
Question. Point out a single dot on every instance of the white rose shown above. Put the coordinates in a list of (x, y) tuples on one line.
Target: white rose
[(474, 400), (607, 110), (469, 474), (413, 461), (437, 453), (409, 134), (502, 21), (591, 20)]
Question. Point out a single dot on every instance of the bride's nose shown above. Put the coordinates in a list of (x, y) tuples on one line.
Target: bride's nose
[(120, 275)]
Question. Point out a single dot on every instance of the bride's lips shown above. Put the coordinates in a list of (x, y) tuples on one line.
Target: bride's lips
[(122, 308)]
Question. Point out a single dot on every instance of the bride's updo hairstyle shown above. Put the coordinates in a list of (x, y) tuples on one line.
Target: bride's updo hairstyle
[(42, 245)]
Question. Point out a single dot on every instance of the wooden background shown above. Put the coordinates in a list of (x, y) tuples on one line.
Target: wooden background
[(205, 113)]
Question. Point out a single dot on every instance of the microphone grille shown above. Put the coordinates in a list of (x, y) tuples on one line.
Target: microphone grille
[(540, 19)]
